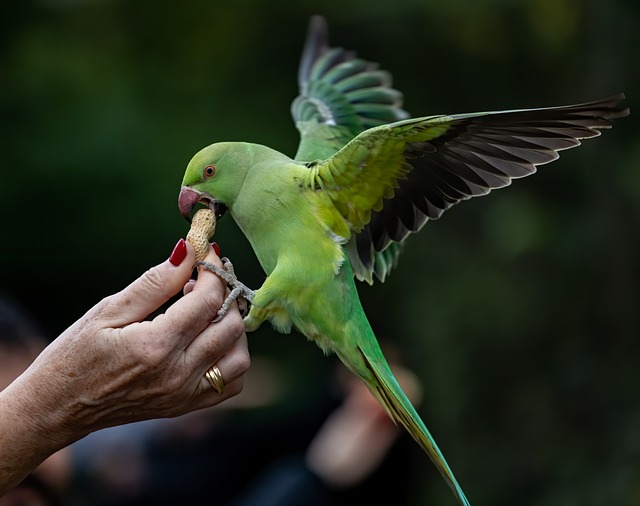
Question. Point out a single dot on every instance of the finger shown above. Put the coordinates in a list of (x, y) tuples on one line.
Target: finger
[(232, 367), (190, 315), (151, 290), (216, 340), (188, 288), (207, 395), (210, 395), (207, 280), (234, 364)]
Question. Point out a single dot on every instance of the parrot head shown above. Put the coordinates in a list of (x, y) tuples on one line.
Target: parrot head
[(214, 178)]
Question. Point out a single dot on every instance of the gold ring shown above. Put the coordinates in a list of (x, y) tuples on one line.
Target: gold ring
[(214, 377)]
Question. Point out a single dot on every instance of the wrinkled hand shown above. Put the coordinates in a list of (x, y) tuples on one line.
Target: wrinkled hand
[(111, 367)]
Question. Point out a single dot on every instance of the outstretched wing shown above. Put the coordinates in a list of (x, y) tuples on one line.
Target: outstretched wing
[(390, 180), (340, 96)]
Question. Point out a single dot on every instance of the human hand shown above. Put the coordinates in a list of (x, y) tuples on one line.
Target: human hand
[(111, 367), (358, 435)]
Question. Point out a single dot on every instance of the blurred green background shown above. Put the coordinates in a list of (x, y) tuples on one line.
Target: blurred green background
[(519, 311)]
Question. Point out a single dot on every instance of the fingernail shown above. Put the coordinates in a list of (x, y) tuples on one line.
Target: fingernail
[(216, 248), (179, 253)]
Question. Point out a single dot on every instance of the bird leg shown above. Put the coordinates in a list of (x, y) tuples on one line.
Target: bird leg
[(239, 291)]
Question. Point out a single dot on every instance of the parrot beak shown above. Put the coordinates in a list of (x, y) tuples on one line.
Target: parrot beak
[(189, 198)]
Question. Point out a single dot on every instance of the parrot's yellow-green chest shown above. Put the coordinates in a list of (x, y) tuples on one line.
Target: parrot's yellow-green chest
[(287, 224)]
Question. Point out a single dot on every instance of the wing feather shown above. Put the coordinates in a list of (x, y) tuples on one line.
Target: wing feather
[(388, 175), (340, 96), (391, 179)]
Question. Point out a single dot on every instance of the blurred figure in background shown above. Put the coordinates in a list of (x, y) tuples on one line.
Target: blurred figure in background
[(353, 457)]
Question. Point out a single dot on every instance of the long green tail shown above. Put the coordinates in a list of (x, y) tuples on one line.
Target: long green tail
[(387, 391)]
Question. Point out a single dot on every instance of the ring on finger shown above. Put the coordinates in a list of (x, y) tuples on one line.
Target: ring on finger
[(214, 377)]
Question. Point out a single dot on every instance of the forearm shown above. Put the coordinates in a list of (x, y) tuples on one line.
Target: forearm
[(26, 440)]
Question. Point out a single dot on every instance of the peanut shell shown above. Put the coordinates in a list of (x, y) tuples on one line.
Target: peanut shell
[(203, 226)]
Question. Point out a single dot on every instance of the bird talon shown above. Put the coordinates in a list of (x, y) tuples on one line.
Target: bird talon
[(228, 266), (239, 293)]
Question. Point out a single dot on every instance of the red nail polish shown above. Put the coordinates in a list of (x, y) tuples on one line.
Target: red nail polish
[(179, 253), (216, 248)]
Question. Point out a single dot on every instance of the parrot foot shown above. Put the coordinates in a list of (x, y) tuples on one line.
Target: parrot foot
[(239, 291)]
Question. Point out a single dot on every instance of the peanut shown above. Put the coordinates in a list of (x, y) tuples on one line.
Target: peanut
[(203, 226)]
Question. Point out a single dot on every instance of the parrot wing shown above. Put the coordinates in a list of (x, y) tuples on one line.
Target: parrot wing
[(391, 179), (340, 96)]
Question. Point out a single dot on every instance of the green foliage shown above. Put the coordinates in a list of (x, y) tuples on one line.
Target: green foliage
[(518, 311)]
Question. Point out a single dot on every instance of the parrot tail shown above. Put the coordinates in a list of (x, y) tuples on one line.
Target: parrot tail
[(390, 395)]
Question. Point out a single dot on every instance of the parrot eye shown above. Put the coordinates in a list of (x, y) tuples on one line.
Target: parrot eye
[(209, 171)]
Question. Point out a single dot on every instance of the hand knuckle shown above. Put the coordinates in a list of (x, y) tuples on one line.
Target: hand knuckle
[(235, 324), (242, 361), (237, 329), (212, 302), (150, 353), (154, 282), (106, 309)]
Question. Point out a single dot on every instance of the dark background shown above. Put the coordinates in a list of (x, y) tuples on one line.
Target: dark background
[(519, 311)]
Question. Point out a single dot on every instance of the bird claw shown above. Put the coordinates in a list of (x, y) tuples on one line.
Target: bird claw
[(239, 293)]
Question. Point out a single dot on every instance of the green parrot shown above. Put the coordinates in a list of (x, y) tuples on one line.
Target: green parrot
[(364, 177)]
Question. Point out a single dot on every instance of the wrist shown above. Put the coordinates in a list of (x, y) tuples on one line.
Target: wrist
[(28, 435), (37, 414), (41, 407)]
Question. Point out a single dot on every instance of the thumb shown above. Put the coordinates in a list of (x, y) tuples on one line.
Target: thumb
[(151, 290)]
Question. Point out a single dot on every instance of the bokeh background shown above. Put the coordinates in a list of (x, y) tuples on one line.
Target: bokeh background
[(519, 312)]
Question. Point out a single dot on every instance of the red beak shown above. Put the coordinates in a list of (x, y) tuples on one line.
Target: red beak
[(187, 200)]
